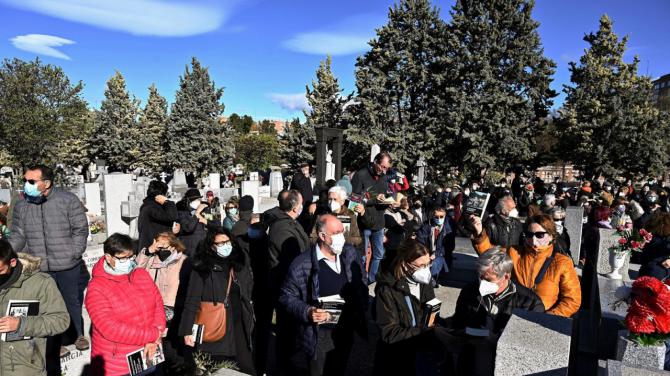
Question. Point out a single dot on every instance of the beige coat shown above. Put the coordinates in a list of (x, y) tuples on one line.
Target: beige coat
[(166, 278)]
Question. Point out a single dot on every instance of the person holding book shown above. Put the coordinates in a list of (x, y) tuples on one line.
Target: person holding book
[(221, 280), (325, 292), (405, 310), (538, 265), (440, 239), (34, 297), (483, 310), (125, 307), (337, 204)]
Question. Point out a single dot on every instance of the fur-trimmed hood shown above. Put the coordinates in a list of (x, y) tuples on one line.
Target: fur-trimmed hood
[(31, 264)]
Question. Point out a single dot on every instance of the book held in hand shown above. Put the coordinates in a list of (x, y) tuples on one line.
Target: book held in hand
[(332, 304), (354, 200), (20, 308), (197, 333), (430, 312), (476, 204), (138, 363)]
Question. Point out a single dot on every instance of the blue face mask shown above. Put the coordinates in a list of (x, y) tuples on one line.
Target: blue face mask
[(31, 190), (438, 221), (121, 267), (224, 250), (232, 212)]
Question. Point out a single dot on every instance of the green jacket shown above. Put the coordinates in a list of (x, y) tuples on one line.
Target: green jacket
[(26, 357)]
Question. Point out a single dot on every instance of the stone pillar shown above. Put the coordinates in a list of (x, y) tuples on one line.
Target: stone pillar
[(573, 225)]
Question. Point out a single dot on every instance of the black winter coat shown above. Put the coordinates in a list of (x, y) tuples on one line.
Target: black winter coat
[(287, 239), (399, 340), (476, 312), (653, 255), (365, 181), (154, 218), (304, 185), (504, 233), (208, 282)]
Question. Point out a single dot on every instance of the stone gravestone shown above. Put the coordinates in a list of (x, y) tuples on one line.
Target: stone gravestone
[(178, 182), (573, 225), (276, 183), (374, 151), (264, 191), (421, 175), (116, 187), (609, 238), (214, 181), (226, 193), (250, 187), (253, 176), (93, 203), (534, 343)]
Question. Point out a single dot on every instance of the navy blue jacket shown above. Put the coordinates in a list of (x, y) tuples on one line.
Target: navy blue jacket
[(300, 291), (446, 239)]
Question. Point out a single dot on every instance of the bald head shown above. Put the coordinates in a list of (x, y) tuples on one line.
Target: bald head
[(326, 226)]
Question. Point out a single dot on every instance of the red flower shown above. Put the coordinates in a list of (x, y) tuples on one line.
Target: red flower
[(649, 311), (622, 241), (643, 232), (635, 244)]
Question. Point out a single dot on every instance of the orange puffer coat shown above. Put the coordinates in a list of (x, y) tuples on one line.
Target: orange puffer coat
[(559, 290)]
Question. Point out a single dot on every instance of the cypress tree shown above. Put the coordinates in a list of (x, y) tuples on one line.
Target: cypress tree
[(153, 122)]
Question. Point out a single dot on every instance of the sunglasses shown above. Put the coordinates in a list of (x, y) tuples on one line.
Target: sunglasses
[(32, 181), (538, 234)]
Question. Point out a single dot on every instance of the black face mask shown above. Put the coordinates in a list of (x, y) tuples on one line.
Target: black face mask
[(5, 277), (163, 254)]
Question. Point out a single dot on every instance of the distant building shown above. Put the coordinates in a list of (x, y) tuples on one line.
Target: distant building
[(564, 173), (661, 93)]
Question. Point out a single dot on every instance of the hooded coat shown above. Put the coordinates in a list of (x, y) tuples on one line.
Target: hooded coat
[(26, 357), (126, 313)]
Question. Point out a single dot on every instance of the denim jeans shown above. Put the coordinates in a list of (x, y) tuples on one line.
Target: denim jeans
[(71, 284), (377, 238)]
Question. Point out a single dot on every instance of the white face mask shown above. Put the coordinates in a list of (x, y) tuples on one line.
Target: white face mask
[(335, 206), (338, 243), (513, 213), (487, 288), (559, 226), (195, 204), (422, 276)]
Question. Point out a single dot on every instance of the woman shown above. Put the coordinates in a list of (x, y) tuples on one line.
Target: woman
[(157, 213), (232, 215), (125, 307), (559, 287), (215, 261), (192, 222), (403, 289), (170, 268)]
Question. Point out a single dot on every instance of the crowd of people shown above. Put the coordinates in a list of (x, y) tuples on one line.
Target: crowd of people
[(206, 288)]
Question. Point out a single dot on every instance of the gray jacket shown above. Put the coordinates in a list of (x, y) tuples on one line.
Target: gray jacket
[(55, 231)]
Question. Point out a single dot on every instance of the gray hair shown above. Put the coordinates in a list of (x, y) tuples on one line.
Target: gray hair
[(496, 258), (500, 206), (339, 190)]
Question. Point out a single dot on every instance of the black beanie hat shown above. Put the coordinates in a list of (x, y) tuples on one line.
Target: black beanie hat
[(246, 203)]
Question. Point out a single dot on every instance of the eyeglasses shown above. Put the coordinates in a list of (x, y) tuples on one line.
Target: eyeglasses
[(538, 234), (131, 257), (417, 267), (219, 244), (32, 181)]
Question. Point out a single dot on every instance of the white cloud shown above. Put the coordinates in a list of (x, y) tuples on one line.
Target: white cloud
[(42, 44), (322, 43), (290, 102), (139, 17)]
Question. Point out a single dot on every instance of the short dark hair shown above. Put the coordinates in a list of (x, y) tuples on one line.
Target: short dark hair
[(7, 253), (380, 157), (118, 243), (289, 200), (408, 251), (156, 188), (46, 171)]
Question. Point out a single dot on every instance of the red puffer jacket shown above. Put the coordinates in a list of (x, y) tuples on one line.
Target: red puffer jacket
[(126, 313)]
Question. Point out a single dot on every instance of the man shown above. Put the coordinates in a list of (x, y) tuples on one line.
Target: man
[(21, 279), (286, 240), (302, 183), (370, 183), (51, 224), (337, 205), (157, 214), (651, 206), (329, 268), (483, 309), (504, 228), (438, 237)]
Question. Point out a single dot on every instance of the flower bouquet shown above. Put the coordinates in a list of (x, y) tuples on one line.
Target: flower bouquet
[(96, 227), (630, 240)]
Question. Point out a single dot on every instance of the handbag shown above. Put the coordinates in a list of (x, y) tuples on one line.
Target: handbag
[(212, 315)]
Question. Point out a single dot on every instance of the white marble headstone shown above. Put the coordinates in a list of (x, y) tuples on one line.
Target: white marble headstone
[(250, 187), (117, 187), (276, 183), (374, 151), (93, 203)]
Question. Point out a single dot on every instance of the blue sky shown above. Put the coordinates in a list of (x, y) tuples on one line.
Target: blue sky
[(264, 52)]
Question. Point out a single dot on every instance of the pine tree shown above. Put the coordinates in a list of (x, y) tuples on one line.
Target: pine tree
[(326, 104), (397, 84), (299, 144), (115, 138), (152, 143), (608, 123), (197, 139), (496, 90)]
